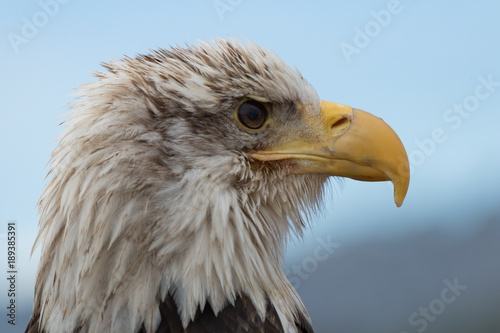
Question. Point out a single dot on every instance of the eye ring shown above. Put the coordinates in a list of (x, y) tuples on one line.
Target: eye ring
[(252, 115)]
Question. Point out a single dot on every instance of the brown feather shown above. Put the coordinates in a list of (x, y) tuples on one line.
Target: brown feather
[(241, 317)]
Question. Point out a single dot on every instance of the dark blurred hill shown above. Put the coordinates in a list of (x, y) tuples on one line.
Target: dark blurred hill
[(376, 286)]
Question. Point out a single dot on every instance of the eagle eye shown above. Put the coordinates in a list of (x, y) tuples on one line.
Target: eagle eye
[(252, 115)]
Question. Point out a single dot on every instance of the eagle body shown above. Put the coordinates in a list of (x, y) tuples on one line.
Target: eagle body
[(170, 201)]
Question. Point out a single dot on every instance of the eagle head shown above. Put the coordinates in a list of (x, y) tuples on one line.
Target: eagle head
[(176, 183)]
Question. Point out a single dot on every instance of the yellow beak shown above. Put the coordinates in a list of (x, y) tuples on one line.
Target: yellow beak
[(353, 144)]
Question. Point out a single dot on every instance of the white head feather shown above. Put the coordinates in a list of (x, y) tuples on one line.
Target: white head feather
[(144, 200)]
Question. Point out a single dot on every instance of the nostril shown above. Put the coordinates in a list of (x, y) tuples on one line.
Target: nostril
[(340, 123)]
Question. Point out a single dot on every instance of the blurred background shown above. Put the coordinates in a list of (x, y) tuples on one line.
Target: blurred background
[(431, 70)]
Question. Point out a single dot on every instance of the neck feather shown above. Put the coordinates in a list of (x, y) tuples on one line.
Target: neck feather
[(110, 259)]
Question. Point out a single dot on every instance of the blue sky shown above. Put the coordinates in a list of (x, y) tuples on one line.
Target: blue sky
[(431, 70)]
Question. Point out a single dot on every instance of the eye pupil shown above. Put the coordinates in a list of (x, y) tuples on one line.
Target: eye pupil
[(252, 114)]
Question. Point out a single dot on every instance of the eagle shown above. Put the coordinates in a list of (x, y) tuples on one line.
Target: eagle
[(176, 183)]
